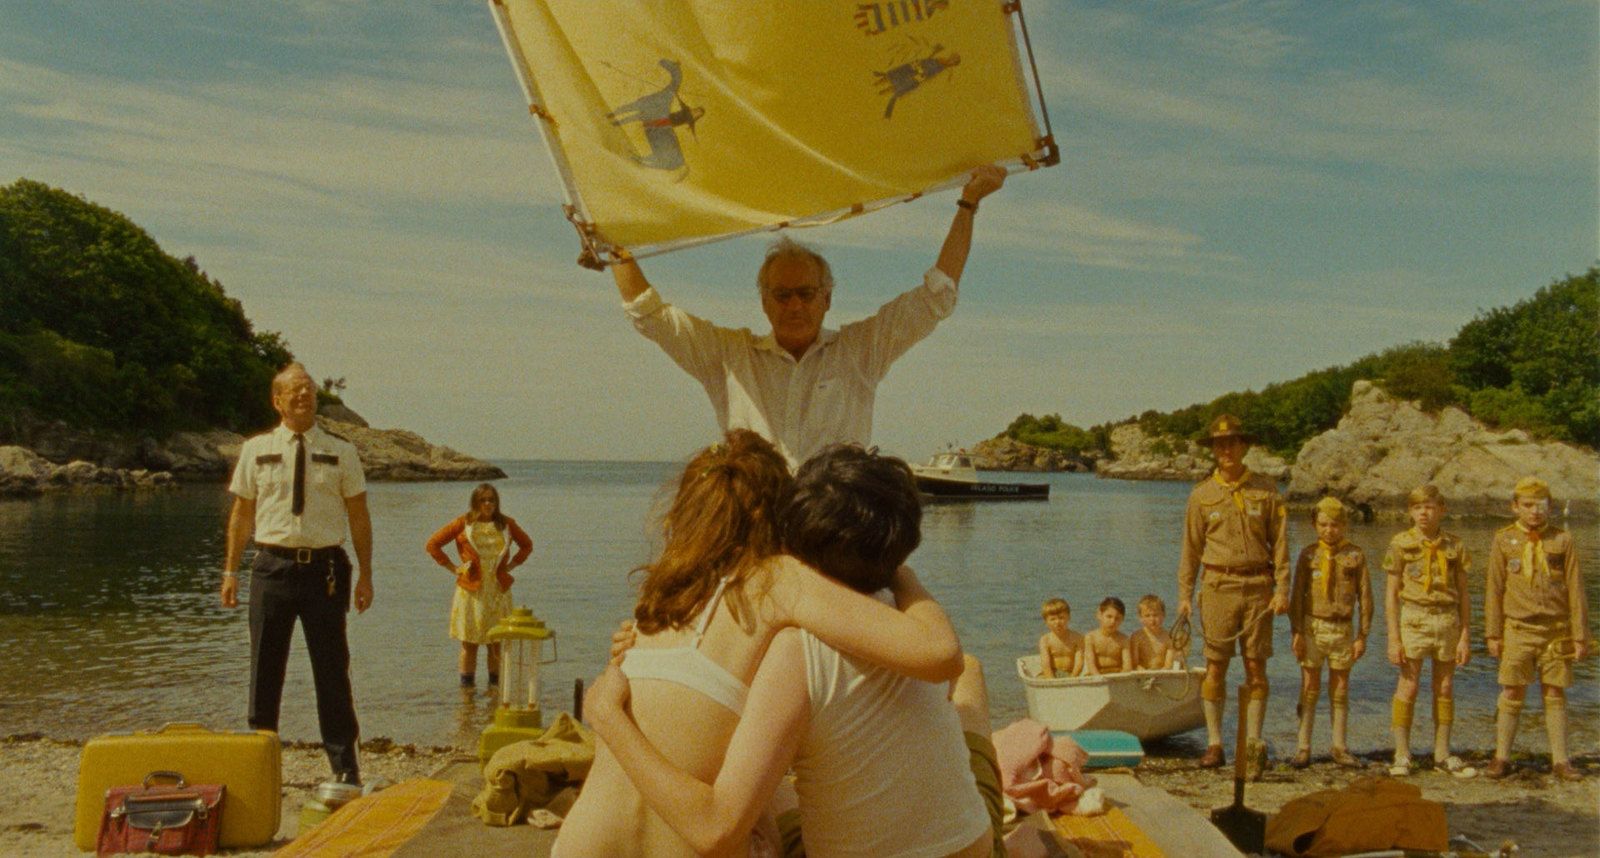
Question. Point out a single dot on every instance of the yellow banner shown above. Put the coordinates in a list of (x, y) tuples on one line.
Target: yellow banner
[(676, 122)]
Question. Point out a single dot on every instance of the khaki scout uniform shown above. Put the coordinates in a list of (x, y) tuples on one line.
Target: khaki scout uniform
[(1430, 612), (1330, 584), (1530, 609), (1237, 533)]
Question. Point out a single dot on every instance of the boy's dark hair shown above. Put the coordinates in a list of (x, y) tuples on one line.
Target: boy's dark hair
[(854, 515), (1114, 602)]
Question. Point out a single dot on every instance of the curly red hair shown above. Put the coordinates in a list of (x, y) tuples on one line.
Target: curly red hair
[(722, 523)]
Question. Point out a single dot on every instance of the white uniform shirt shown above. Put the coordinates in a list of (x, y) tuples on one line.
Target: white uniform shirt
[(265, 474), (883, 769), (826, 396)]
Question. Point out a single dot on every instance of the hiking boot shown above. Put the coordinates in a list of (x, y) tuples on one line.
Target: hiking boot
[(1498, 768), (1301, 759), (1212, 758), (1458, 767), (1565, 772), (1341, 757), (1401, 767), (1255, 761)]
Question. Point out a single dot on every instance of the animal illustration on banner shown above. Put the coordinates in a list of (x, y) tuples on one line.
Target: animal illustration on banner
[(694, 123)]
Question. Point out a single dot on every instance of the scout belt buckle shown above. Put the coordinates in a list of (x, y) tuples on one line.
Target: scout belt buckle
[(302, 556)]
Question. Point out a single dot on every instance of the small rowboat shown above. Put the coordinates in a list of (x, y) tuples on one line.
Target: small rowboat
[(1149, 704)]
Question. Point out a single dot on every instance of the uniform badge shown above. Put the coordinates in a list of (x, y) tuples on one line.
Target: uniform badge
[(1215, 515), (1253, 508), (1414, 570), (1514, 564)]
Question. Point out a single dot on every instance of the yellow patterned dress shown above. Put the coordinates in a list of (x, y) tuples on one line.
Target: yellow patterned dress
[(472, 615)]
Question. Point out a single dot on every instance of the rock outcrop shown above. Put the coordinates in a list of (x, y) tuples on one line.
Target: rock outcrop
[(1137, 456), (1384, 447), (57, 456), (24, 472), (1006, 454)]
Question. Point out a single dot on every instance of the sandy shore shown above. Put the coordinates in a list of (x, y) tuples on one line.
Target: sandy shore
[(1544, 817)]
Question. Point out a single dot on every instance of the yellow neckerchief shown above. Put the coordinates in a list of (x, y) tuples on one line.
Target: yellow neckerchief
[(1235, 488), (1432, 547), (1532, 553), (1325, 554)]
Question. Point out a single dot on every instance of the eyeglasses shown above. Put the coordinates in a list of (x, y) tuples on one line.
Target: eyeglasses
[(805, 294)]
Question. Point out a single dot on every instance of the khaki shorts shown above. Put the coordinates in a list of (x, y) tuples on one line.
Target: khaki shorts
[(1526, 646), (985, 765), (1330, 641), (1226, 602), (1429, 632)]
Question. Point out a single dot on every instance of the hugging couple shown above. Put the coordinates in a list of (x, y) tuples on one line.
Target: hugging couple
[(748, 663)]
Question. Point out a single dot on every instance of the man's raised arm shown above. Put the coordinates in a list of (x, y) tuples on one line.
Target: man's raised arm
[(953, 255), (630, 279)]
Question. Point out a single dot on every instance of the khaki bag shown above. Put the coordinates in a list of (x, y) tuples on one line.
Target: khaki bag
[(1369, 815)]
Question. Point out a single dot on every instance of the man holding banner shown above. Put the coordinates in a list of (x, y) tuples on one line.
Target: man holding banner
[(804, 386)]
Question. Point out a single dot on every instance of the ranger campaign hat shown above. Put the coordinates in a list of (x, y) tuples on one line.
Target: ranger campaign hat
[(1531, 487), (1227, 426)]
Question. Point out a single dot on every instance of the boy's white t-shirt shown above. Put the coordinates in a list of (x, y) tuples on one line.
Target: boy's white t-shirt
[(883, 769)]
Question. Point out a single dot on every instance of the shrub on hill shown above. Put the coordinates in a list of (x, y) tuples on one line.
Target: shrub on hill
[(1534, 365), (102, 329)]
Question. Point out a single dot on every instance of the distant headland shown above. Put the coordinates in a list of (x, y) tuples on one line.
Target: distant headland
[(122, 366)]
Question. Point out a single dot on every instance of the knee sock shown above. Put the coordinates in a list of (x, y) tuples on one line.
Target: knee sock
[(1505, 726), (1213, 710), (1555, 726), (1308, 715), (1255, 712), (1444, 714), (1340, 704), (1401, 723)]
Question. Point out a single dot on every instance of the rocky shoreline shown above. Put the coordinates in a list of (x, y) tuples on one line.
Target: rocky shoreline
[(56, 457), (1381, 449)]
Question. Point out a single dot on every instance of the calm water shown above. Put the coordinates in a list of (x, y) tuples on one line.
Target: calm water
[(109, 616)]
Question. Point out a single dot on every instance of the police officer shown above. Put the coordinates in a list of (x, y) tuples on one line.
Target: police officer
[(296, 487), (1236, 530)]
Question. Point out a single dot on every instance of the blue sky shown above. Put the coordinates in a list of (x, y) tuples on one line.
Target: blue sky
[(1249, 190)]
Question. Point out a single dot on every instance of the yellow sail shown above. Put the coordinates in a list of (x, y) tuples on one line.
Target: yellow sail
[(677, 122)]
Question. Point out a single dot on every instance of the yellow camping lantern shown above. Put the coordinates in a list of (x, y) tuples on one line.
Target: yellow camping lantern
[(521, 637)]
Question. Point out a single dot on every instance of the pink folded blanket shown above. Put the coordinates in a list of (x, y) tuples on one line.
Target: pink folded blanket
[(1039, 771)]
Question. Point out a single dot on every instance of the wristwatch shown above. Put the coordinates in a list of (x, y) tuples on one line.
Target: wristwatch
[(963, 202)]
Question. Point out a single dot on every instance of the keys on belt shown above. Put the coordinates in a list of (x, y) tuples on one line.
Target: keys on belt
[(306, 557)]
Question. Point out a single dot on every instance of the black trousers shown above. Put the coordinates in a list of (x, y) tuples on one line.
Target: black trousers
[(281, 592)]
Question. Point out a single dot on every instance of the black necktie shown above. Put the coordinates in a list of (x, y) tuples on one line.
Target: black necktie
[(299, 504)]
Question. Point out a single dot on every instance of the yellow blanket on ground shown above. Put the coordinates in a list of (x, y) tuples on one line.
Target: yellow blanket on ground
[(526, 775), (373, 826), (1109, 835)]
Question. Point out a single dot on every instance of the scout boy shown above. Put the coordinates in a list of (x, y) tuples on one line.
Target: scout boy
[(1235, 529), (1427, 614), (1060, 648), (1534, 618), (1330, 585)]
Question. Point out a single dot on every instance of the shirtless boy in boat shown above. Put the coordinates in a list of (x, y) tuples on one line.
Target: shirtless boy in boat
[(1105, 650), (1150, 646), (1060, 648)]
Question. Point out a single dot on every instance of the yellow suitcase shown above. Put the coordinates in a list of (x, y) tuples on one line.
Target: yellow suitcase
[(248, 761)]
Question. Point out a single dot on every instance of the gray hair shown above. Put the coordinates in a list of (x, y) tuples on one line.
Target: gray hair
[(282, 378), (787, 248)]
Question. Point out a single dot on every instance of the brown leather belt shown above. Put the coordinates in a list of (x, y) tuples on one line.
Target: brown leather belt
[(1242, 571)]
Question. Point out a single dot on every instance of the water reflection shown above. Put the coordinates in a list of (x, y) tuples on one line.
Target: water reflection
[(109, 616)]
